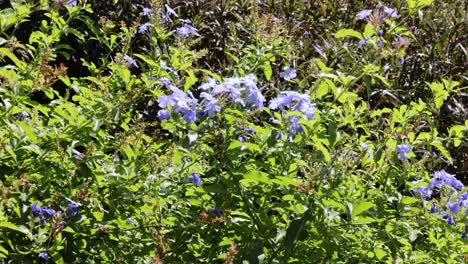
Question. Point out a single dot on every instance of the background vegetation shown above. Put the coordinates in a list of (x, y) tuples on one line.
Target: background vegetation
[(233, 131)]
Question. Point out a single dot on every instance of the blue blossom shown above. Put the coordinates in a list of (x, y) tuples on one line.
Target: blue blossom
[(295, 128), (186, 31), (165, 81), (278, 136), (144, 28), (195, 179), (402, 150), (72, 3), (294, 101), (48, 212), (254, 96), (453, 206), (288, 73), (390, 12), (249, 130), (463, 197), (442, 178), (166, 17), (170, 11), (73, 208), (379, 43), (209, 85), (363, 42), (129, 219), (363, 14), (242, 138), (401, 60), (380, 33), (424, 191), (148, 12), (163, 115), (414, 30), (36, 209), (433, 208), (238, 90), (130, 61), (182, 102), (76, 153), (450, 220), (210, 104), (215, 212), (44, 256)]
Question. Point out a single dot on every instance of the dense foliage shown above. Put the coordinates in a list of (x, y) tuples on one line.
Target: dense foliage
[(233, 131)]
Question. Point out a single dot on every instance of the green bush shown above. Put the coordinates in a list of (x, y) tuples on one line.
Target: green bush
[(232, 132)]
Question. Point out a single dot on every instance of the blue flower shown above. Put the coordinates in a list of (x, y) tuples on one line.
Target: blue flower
[(390, 12), (414, 30), (379, 43), (182, 102), (195, 179), (144, 28), (363, 14), (453, 206), (363, 42), (433, 208), (249, 130), (44, 256), (148, 12), (210, 104), (402, 150), (215, 212), (288, 73), (401, 60), (48, 212), (295, 128), (442, 178), (242, 139), (76, 153), (165, 81), (186, 31), (166, 17), (450, 220), (72, 3), (129, 220), (130, 61), (73, 208), (278, 136), (424, 191), (163, 115), (36, 210)]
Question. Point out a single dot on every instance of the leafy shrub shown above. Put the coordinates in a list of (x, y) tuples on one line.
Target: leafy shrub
[(238, 132)]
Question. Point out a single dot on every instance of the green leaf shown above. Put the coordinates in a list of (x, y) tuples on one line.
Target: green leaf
[(267, 70), (6, 52), (442, 150), (21, 229), (361, 207), (190, 80), (295, 230), (348, 33)]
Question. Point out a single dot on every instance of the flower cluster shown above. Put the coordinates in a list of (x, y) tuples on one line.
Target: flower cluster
[(183, 103), (243, 91), (442, 180), (387, 11), (294, 101), (45, 212)]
